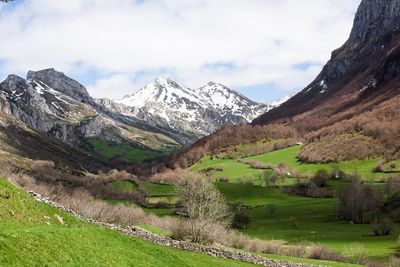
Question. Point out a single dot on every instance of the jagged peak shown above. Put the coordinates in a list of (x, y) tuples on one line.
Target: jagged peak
[(14, 77), (49, 71), (62, 83)]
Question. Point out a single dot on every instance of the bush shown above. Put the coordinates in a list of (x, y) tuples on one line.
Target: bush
[(269, 177), (249, 181), (319, 252), (204, 205), (394, 261), (271, 209), (358, 203), (320, 178), (240, 220), (298, 251), (308, 190), (379, 167), (180, 230), (383, 227), (223, 179), (358, 251)]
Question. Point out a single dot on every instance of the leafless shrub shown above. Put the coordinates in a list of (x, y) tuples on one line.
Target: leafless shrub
[(299, 251), (223, 179), (394, 261), (173, 177), (358, 251), (383, 227), (204, 205), (180, 230), (358, 203), (320, 252)]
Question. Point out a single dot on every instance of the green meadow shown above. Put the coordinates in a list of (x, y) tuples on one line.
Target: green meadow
[(234, 170)]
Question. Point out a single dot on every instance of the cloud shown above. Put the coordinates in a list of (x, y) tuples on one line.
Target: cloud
[(237, 42), (106, 87)]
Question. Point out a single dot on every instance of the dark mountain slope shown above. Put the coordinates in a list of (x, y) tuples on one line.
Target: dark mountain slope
[(361, 73)]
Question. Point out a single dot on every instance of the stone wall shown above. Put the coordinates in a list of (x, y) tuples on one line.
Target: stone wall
[(182, 245)]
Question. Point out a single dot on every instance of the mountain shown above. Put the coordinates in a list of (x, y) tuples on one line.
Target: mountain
[(52, 103), (352, 108), (161, 115), (362, 73), (194, 112)]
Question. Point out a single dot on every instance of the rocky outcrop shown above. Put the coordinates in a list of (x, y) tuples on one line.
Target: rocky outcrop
[(374, 19), (183, 245), (64, 84)]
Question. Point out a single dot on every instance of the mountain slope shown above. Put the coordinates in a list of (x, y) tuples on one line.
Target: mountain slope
[(196, 112), (362, 73), (356, 96), (52, 103)]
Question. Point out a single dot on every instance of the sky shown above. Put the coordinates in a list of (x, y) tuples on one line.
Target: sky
[(265, 49)]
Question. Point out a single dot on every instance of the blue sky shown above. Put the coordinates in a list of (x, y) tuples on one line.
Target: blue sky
[(265, 49)]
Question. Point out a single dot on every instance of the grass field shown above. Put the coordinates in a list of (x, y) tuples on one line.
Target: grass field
[(34, 234), (125, 152), (126, 186), (234, 170), (156, 190), (316, 220), (315, 217)]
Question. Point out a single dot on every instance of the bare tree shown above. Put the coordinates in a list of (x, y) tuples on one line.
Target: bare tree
[(5, 1), (359, 203), (204, 205)]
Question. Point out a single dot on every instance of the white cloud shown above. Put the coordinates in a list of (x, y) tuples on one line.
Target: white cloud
[(263, 39), (106, 87)]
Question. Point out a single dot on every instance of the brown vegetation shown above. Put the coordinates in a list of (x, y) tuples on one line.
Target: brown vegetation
[(359, 203), (204, 207)]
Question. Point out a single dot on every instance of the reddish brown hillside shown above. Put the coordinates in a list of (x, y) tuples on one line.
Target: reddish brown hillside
[(357, 91)]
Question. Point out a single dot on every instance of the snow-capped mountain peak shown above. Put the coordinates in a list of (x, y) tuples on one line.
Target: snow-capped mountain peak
[(199, 111), (161, 90)]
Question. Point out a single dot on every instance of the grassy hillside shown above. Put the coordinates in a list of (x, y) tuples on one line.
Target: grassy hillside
[(126, 152), (301, 219), (315, 217), (234, 169), (35, 233)]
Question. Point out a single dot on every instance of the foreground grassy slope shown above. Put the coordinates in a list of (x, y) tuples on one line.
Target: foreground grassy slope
[(33, 233)]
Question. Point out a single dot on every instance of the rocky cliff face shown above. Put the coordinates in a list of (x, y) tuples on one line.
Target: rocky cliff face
[(374, 19), (357, 72), (64, 84)]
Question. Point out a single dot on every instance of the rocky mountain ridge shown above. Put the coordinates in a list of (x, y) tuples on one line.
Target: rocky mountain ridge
[(53, 103)]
